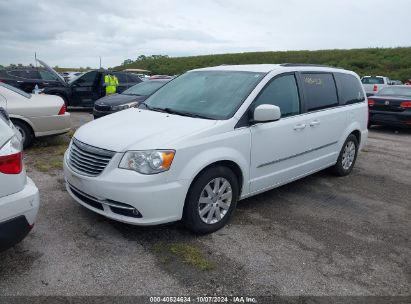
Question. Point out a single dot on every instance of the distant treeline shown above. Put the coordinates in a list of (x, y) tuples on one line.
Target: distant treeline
[(392, 62)]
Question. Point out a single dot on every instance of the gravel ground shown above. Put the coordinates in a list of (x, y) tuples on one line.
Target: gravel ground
[(321, 235)]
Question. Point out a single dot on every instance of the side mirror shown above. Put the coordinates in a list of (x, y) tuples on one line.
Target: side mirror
[(266, 112)]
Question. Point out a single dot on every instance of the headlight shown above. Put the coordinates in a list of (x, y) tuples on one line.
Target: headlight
[(125, 106), (147, 162)]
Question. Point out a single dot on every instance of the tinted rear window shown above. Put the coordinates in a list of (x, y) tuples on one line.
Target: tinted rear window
[(122, 78), (349, 89), (320, 90), (372, 80), (395, 91)]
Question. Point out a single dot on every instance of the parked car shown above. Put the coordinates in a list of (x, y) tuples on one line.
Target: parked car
[(34, 115), (19, 197), (396, 82), (214, 136), (391, 106), (131, 97), (27, 78), (84, 90), (372, 84)]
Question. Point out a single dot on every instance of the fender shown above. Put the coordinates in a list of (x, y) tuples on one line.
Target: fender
[(210, 156), (19, 117)]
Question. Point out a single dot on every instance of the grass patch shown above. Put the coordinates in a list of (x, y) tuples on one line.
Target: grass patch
[(42, 166), (46, 154), (189, 254), (192, 256)]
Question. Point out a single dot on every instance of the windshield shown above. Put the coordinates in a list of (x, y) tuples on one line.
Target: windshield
[(75, 77), (393, 91), (15, 90), (144, 88), (211, 94), (372, 80)]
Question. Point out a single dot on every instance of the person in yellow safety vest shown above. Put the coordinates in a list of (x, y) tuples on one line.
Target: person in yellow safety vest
[(111, 83)]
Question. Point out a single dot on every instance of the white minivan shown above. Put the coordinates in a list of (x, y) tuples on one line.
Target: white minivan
[(213, 136), (19, 197)]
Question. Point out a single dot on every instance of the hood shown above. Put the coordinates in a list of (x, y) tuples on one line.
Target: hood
[(51, 70), (137, 129), (119, 99)]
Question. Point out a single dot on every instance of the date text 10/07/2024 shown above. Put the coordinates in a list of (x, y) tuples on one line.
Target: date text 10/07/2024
[(204, 299)]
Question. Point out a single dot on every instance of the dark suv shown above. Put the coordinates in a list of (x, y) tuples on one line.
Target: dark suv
[(84, 90), (27, 78), (79, 92)]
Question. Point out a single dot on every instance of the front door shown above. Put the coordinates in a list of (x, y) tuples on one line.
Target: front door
[(278, 150), (86, 89)]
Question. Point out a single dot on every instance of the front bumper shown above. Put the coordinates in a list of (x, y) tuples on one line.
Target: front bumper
[(98, 114), (390, 118), (18, 212), (156, 199)]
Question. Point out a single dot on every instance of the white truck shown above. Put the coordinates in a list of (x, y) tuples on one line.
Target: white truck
[(372, 84)]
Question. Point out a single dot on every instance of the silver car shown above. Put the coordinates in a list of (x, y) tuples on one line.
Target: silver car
[(34, 115)]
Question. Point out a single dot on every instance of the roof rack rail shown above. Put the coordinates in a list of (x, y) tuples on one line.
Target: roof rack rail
[(308, 65)]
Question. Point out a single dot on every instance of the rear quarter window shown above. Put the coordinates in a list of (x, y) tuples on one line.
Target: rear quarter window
[(320, 91), (350, 89)]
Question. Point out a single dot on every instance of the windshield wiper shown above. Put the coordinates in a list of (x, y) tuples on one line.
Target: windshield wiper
[(153, 108), (182, 113), (172, 111)]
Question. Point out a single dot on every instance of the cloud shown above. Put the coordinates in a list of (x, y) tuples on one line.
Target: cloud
[(75, 33)]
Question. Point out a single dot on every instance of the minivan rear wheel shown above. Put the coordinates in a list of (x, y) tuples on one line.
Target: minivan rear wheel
[(347, 157), (211, 200)]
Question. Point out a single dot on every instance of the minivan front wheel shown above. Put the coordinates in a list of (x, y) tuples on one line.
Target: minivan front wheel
[(211, 200), (347, 157)]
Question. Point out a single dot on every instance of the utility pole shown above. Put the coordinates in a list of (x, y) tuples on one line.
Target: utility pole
[(100, 62), (35, 59)]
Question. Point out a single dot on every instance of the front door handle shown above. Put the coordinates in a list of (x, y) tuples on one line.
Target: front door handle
[(300, 126), (314, 123)]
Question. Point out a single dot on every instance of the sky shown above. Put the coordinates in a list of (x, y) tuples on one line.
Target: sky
[(75, 33)]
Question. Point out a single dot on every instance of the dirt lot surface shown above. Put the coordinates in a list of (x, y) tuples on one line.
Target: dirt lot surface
[(321, 235)]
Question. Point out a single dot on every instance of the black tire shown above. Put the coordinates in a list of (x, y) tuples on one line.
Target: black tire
[(25, 131), (191, 216), (339, 169)]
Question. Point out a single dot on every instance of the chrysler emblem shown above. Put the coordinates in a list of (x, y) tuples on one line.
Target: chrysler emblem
[(386, 102)]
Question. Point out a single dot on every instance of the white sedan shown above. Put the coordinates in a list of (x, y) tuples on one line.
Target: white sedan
[(19, 197), (34, 115)]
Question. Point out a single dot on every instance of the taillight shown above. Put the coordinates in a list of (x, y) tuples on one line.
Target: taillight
[(371, 102), (62, 110), (375, 89), (11, 157), (405, 104)]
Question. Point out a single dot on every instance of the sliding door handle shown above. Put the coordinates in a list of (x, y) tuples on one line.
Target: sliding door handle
[(300, 126)]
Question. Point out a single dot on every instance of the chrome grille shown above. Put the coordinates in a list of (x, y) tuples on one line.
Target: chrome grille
[(88, 160)]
